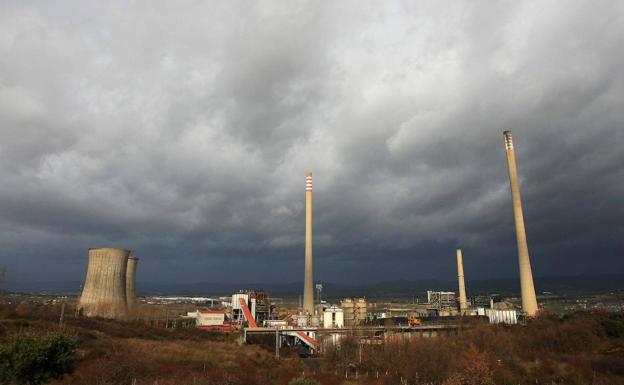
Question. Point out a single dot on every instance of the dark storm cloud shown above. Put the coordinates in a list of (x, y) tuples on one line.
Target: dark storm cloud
[(183, 133)]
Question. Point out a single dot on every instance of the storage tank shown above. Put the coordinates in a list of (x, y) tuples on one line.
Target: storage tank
[(360, 311), (104, 292), (131, 282), (348, 308)]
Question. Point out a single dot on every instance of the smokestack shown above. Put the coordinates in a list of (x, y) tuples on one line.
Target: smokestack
[(308, 290), (130, 282), (104, 292), (463, 305), (529, 301)]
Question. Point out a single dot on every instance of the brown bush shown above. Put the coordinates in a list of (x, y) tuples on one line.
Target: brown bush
[(578, 349)]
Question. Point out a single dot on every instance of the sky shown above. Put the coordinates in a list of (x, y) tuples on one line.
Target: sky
[(183, 131)]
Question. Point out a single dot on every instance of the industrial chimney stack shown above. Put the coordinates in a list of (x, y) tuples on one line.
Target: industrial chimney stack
[(463, 304), (308, 290), (529, 301)]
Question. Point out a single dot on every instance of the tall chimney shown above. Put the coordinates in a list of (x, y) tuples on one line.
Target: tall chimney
[(308, 290), (529, 301), (463, 305)]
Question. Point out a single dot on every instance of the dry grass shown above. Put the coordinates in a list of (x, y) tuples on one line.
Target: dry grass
[(579, 349)]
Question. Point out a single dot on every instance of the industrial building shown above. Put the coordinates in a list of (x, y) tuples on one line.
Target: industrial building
[(509, 317), (210, 320), (354, 310), (209, 317), (256, 301), (333, 317), (441, 299), (481, 300)]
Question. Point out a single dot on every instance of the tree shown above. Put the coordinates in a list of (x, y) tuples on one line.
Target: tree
[(36, 359), (475, 370)]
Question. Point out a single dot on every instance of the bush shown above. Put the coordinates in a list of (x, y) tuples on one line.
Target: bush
[(614, 327), (36, 359)]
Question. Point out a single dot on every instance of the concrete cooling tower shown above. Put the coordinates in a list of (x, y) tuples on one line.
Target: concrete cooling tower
[(130, 283), (104, 292)]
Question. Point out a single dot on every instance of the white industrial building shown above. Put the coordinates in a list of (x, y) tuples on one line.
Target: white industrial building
[(509, 317), (237, 310), (207, 317), (441, 299), (333, 317)]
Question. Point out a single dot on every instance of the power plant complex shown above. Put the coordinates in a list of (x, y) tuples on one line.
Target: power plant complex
[(109, 291), (109, 286), (529, 299)]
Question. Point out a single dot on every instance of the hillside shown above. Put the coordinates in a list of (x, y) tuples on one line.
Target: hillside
[(582, 348)]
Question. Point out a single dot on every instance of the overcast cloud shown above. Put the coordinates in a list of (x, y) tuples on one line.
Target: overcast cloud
[(183, 131)]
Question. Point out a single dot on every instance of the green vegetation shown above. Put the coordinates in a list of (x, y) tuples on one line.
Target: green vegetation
[(614, 326), (36, 358)]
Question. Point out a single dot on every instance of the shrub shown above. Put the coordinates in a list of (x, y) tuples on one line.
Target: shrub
[(614, 327), (36, 359)]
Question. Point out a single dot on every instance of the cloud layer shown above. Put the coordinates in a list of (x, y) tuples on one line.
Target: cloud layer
[(183, 132)]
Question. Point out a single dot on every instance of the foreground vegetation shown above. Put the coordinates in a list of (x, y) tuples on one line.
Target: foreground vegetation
[(584, 348)]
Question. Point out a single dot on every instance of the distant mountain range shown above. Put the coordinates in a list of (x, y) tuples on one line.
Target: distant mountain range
[(506, 286)]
